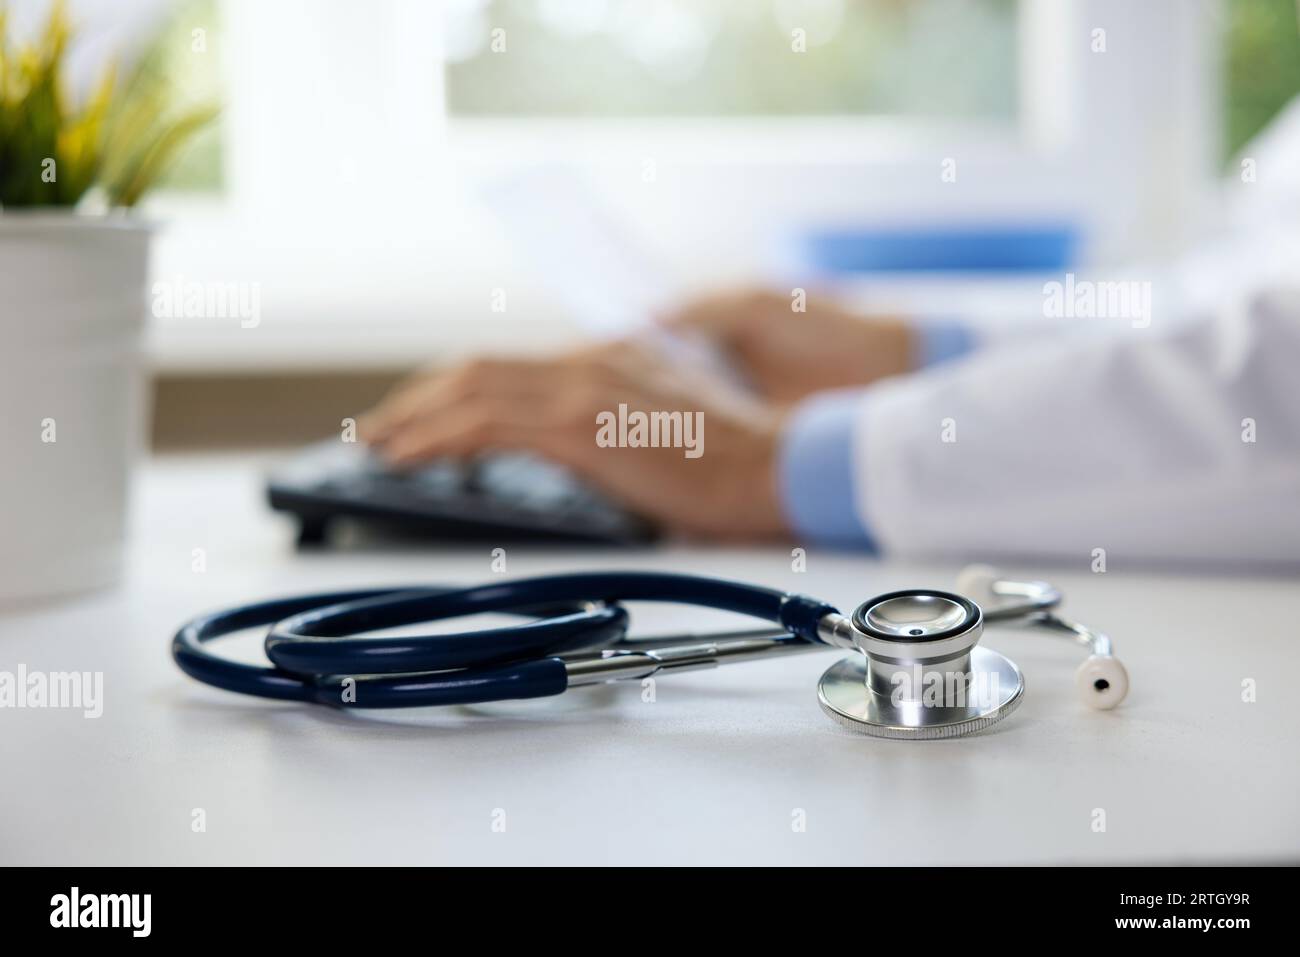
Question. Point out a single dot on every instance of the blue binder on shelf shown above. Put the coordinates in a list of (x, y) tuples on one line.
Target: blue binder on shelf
[(965, 248)]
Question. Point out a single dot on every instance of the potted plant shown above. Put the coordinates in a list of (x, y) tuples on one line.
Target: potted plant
[(73, 280)]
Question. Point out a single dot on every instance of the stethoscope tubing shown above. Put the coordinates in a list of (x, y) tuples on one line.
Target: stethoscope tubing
[(195, 660), (522, 679), (315, 658)]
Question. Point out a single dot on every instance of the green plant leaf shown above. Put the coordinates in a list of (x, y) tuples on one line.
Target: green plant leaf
[(138, 177), (121, 138)]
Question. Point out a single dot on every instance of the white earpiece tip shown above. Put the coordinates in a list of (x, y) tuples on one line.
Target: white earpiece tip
[(1102, 682), (976, 581)]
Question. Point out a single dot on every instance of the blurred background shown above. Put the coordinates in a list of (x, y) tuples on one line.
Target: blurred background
[(732, 140)]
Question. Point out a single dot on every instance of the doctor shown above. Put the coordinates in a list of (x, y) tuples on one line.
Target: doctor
[(1172, 439)]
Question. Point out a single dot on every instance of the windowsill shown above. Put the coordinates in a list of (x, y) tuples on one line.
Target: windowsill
[(346, 338), (733, 141), (344, 291), (199, 347)]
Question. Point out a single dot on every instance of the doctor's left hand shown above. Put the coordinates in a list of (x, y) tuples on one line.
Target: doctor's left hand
[(719, 481)]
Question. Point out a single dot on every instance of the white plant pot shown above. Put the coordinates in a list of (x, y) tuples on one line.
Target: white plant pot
[(72, 405)]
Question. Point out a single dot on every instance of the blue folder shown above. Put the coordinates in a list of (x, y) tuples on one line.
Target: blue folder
[(967, 248)]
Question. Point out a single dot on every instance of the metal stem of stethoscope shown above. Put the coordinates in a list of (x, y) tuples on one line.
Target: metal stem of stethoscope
[(696, 653)]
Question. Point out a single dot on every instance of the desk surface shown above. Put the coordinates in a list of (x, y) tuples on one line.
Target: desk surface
[(721, 767)]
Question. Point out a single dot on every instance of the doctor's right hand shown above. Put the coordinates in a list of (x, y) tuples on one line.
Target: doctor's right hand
[(786, 353)]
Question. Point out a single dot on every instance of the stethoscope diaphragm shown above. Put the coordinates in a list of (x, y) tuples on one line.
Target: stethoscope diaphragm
[(920, 673)]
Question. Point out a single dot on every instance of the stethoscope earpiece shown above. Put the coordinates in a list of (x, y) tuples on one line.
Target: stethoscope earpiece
[(1102, 681), (977, 581)]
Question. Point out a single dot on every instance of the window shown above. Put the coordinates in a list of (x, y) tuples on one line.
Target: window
[(185, 52), (731, 57), (353, 132), (1262, 64)]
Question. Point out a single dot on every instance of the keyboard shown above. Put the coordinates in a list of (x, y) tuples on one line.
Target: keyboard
[(504, 497)]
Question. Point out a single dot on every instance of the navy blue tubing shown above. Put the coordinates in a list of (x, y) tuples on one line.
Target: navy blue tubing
[(313, 654)]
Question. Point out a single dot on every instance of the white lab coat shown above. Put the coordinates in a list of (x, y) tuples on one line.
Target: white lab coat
[(1136, 444), (1171, 443)]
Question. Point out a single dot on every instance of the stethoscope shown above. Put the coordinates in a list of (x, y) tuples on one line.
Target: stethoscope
[(917, 670)]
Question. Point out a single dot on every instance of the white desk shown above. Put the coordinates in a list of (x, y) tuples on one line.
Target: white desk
[(710, 772)]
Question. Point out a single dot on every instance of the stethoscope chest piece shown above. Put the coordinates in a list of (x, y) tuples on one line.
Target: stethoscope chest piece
[(920, 673)]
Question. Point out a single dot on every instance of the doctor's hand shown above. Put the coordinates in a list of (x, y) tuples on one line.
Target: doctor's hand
[(787, 355), (718, 482)]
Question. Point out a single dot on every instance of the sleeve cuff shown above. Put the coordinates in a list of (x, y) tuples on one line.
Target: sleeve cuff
[(815, 469), (941, 341)]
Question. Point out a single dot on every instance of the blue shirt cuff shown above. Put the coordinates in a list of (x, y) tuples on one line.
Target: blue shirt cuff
[(942, 341), (815, 471)]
